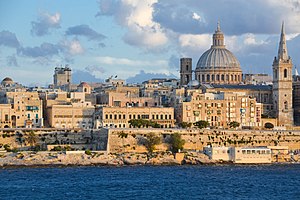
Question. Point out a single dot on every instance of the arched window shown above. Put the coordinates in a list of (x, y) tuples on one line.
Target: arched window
[(222, 77), (231, 77), (218, 77), (207, 77), (275, 73), (285, 73), (235, 78), (212, 77), (227, 77), (203, 79)]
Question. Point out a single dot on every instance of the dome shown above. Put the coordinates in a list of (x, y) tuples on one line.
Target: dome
[(218, 65), (193, 83), (83, 84), (218, 58), (7, 81)]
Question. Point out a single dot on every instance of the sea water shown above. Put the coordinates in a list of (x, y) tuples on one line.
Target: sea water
[(152, 182)]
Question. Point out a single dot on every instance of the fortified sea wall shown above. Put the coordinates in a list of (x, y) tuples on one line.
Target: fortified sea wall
[(132, 140), (49, 138)]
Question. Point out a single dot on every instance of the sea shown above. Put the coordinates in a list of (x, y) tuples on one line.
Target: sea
[(152, 182)]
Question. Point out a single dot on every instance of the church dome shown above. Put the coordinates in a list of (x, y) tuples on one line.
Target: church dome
[(218, 65), (7, 81), (218, 58)]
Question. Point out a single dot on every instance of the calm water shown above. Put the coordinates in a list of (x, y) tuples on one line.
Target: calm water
[(150, 182)]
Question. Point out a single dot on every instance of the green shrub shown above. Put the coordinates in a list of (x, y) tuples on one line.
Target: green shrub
[(88, 152)]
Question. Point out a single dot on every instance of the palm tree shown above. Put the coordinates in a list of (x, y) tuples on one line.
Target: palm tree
[(32, 139)]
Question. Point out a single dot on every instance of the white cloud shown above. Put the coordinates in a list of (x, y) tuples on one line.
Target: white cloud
[(45, 23), (72, 47), (136, 16), (197, 17)]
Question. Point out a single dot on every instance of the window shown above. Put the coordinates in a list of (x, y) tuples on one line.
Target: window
[(6, 117), (285, 73), (187, 68), (222, 77), (286, 105), (207, 77)]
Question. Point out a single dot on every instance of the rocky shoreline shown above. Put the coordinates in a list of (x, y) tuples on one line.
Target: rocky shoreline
[(61, 159)]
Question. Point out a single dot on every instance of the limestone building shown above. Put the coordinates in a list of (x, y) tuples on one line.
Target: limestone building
[(219, 109), (185, 70), (282, 84), (21, 110), (118, 117), (62, 77)]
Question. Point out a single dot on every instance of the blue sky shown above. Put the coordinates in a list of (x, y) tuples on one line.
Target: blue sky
[(123, 37)]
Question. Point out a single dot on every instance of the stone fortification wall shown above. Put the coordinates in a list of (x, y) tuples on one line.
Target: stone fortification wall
[(77, 139), (131, 140)]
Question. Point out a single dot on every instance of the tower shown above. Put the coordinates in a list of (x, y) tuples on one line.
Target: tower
[(282, 84), (62, 77), (185, 71)]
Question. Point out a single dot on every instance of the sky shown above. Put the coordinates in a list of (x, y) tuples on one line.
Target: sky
[(129, 37)]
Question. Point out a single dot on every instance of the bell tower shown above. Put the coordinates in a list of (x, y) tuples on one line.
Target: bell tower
[(282, 84), (185, 71)]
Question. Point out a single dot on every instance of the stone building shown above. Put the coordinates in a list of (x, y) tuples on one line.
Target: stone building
[(118, 117), (185, 71), (296, 98), (219, 109), (62, 77), (84, 87), (282, 84), (218, 65), (21, 110), (74, 115)]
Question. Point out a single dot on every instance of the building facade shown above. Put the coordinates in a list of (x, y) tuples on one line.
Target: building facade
[(118, 117), (219, 109)]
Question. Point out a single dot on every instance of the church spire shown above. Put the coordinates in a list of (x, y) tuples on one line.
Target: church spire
[(282, 50)]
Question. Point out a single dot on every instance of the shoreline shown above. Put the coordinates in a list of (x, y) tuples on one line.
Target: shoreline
[(62, 159)]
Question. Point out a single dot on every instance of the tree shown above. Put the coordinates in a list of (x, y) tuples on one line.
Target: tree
[(32, 139), (201, 124), (151, 141), (176, 142), (234, 124), (185, 125), (269, 125)]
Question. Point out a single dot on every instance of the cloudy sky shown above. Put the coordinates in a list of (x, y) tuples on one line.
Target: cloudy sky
[(123, 37)]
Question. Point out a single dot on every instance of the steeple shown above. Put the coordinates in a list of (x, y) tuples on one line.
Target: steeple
[(218, 38), (282, 50)]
